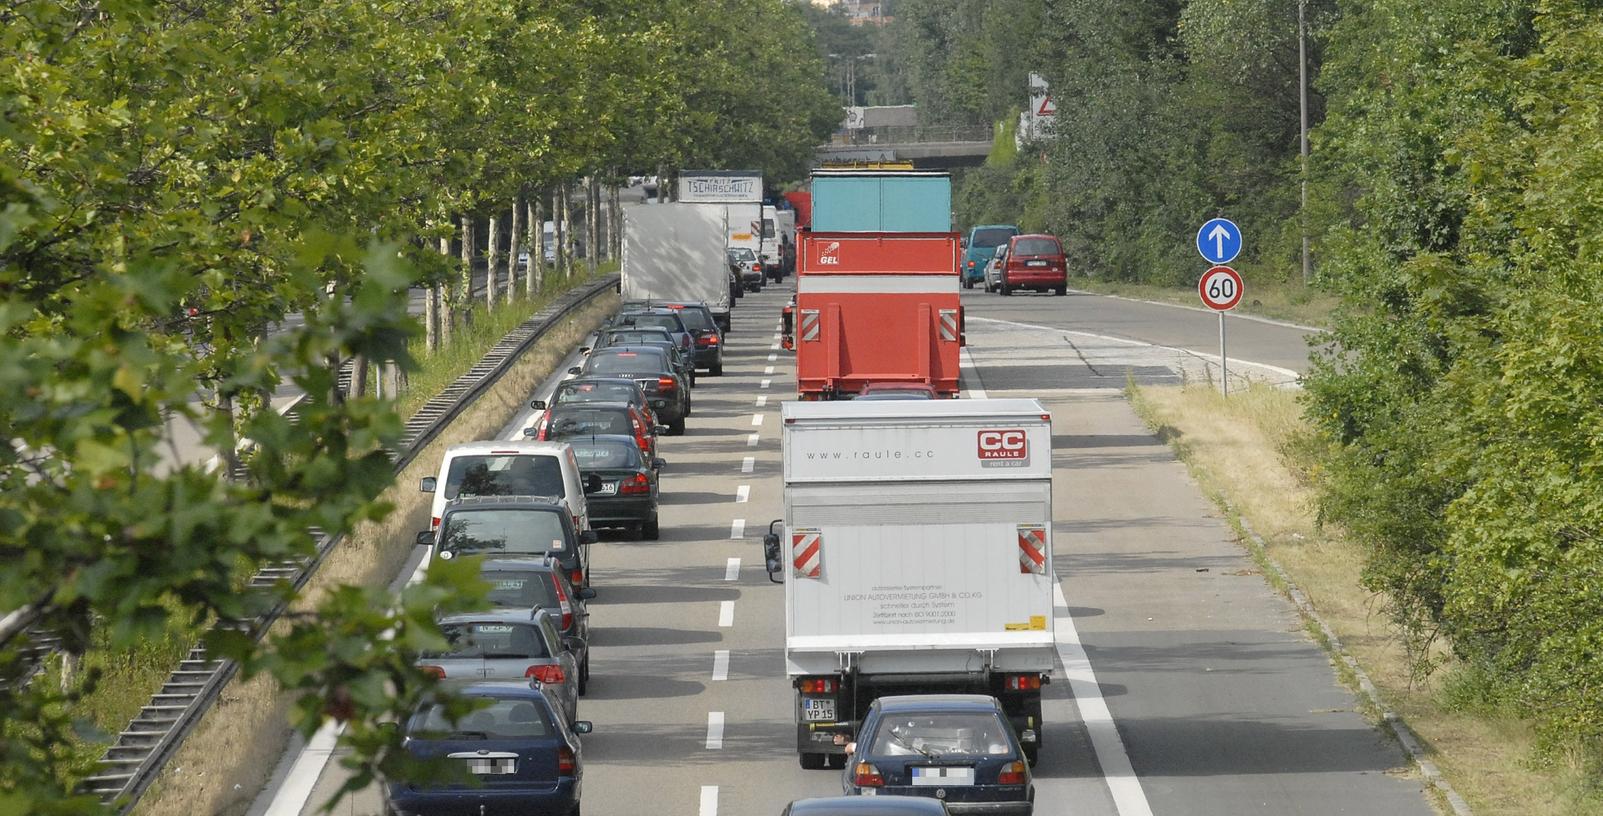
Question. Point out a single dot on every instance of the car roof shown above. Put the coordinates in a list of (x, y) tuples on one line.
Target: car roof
[(550, 504), (868, 806), (626, 328), (938, 702), (630, 347), (609, 379), (611, 439), (496, 616), (1035, 235), (508, 447), (591, 405), (993, 226)]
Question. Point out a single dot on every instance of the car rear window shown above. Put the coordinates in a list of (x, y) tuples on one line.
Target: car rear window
[(491, 641), (742, 254), (503, 532), (669, 322), (587, 422), (500, 719), (995, 236), (604, 455), (521, 590), (695, 319), (940, 735), (504, 475), (624, 338), (595, 392), (1036, 246), (625, 362)]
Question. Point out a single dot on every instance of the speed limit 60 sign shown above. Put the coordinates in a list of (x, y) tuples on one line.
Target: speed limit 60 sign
[(1220, 288)]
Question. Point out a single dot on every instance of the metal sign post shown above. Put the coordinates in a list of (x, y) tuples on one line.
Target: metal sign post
[(1220, 289), (1224, 359)]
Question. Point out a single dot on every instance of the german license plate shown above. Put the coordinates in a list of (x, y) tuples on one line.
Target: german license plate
[(818, 710), (608, 489), (942, 777), (1035, 263), (493, 767)]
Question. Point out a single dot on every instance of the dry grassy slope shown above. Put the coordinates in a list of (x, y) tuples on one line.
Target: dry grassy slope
[(226, 760), (1243, 450)]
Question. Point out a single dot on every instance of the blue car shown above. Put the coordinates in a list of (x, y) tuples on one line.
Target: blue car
[(959, 748), (979, 246), (526, 759)]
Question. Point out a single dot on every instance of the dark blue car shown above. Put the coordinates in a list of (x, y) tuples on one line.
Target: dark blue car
[(959, 748), (526, 759)]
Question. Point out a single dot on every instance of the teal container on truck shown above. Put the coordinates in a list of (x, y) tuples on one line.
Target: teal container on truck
[(881, 201), (979, 247)]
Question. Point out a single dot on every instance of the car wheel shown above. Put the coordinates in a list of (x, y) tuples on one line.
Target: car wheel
[(651, 530), (1032, 754), (1063, 290), (968, 284), (812, 762), (1006, 290), (677, 427), (717, 370), (575, 811), (584, 677)]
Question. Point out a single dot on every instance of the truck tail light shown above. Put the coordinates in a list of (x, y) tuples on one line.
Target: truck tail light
[(865, 775), (1013, 773), (436, 672), (1023, 682), (818, 685), (667, 384), (566, 764), (434, 523), (549, 674), (637, 483)]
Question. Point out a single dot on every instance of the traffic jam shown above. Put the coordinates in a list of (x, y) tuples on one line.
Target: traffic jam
[(910, 540)]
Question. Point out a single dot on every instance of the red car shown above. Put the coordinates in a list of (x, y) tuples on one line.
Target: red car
[(1034, 262)]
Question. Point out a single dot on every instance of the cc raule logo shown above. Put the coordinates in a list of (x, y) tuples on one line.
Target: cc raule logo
[(1003, 448)]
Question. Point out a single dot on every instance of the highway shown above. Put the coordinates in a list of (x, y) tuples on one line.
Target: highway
[(1185, 684)]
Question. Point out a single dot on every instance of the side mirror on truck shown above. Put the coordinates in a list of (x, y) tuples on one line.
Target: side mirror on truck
[(771, 552)]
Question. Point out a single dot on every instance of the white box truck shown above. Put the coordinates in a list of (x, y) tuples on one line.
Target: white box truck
[(675, 252), (916, 554)]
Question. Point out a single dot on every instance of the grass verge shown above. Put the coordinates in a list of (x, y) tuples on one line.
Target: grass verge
[(1278, 301), (227, 759), (1254, 455)]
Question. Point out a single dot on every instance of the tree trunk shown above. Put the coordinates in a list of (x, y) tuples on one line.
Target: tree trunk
[(359, 374), (593, 228), (536, 278), (615, 218), (431, 319), (559, 214), (491, 244), (513, 245), (467, 270), (442, 293)]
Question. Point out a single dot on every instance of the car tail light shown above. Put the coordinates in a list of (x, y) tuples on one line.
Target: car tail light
[(666, 384), (637, 483), (757, 267), (550, 674), (818, 685), (707, 340), (436, 672), (970, 264), (867, 776), (566, 764), (1023, 682), (1014, 773), (562, 603), (576, 577)]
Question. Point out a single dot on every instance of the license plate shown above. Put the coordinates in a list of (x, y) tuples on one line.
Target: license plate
[(607, 489), (1035, 263), (945, 777), (818, 710), (493, 767)]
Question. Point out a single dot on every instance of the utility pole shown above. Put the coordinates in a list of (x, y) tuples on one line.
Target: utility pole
[(1302, 82)]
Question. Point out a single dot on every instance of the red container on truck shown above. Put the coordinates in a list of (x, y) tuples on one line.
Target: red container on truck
[(876, 308), (802, 202)]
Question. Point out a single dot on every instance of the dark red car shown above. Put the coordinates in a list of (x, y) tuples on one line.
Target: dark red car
[(1034, 262)]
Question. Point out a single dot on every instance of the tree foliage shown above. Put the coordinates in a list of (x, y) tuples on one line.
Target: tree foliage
[(178, 179)]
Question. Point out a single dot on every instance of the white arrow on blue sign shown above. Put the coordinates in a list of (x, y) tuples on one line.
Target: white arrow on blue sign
[(1219, 241)]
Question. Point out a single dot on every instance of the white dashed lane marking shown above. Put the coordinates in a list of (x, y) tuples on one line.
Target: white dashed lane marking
[(762, 400), (768, 370), (709, 800), (751, 441), (742, 494), (773, 357), (732, 568), (726, 614), (737, 529), (756, 419), (748, 464), (720, 665), (715, 730), (766, 383)]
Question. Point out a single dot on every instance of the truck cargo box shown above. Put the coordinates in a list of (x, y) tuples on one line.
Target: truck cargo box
[(676, 252), (881, 201)]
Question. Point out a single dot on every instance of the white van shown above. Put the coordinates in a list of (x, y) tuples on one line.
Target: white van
[(508, 468)]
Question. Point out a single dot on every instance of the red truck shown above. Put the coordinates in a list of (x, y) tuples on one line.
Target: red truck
[(877, 307)]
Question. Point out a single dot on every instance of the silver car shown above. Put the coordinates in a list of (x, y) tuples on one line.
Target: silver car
[(509, 645), (993, 269)]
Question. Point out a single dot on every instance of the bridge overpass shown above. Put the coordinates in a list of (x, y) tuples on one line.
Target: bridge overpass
[(931, 148)]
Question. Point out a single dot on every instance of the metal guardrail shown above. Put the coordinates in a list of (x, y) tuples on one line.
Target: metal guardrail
[(141, 750)]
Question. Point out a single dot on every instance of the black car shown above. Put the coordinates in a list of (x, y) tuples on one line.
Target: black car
[(648, 315), (665, 389), (709, 339), (511, 527), (563, 422), (599, 389), (683, 361), (961, 747), (543, 584), (627, 493)]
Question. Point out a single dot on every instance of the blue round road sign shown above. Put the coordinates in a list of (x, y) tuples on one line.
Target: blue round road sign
[(1219, 241)]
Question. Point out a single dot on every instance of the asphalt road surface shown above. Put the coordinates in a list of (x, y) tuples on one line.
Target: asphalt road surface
[(1185, 684)]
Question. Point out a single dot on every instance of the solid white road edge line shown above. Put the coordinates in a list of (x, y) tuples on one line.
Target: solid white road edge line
[(1120, 776), (726, 614), (737, 529), (742, 494), (732, 567), (709, 800), (1254, 318), (720, 665), (1214, 358), (748, 464), (965, 365), (715, 730)]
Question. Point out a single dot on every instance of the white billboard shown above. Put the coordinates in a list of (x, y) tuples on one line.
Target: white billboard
[(720, 187)]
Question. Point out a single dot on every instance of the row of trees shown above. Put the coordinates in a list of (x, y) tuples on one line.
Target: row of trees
[(178, 178), (1456, 175)]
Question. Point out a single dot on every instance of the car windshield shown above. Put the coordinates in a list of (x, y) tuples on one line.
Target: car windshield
[(696, 319), (991, 237), (626, 362), (504, 475), (595, 392), (501, 719), (490, 641), (661, 321), (526, 589), (606, 455), (503, 532), (768, 227), (741, 254), (940, 735), (567, 422), (1036, 246)]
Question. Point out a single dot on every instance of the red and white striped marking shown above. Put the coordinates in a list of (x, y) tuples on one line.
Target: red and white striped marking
[(807, 553), (1032, 549)]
